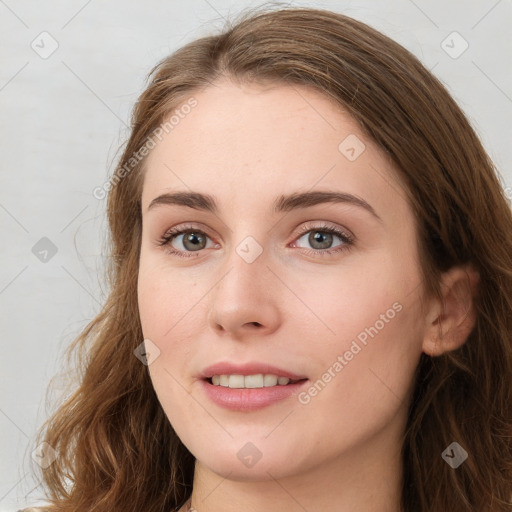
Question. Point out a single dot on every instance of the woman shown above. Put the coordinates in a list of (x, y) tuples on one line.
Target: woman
[(311, 275)]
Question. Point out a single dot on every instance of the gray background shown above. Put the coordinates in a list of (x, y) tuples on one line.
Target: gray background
[(64, 116)]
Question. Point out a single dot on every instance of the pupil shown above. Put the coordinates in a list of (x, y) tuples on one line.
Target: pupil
[(318, 236), (194, 239)]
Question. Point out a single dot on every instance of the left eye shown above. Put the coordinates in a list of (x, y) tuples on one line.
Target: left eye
[(321, 239)]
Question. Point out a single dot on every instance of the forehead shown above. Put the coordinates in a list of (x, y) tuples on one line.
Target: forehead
[(248, 143)]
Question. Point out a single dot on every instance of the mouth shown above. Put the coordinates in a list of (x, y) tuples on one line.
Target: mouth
[(250, 386)]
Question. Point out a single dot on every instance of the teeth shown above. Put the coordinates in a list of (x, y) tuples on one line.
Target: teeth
[(236, 381), (270, 380), (249, 381)]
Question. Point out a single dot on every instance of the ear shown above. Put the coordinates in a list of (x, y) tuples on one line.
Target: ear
[(450, 321)]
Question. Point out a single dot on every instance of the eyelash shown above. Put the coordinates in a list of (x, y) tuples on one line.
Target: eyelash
[(347, 240)]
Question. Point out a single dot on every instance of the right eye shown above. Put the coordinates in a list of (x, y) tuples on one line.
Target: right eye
[(190, 239)]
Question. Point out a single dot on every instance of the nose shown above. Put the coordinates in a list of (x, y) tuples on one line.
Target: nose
[(245, 301)]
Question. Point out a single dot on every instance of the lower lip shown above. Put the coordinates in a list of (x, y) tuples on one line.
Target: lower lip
[(250, 399)]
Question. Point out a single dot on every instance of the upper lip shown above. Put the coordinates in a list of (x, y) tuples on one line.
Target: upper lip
[(250, 368)]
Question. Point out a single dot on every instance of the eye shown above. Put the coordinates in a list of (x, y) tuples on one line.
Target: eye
[(190, 239), (321, 239)]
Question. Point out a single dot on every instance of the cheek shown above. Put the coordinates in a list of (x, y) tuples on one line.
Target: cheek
[(172, 314), (352, 300), (366, 377), (367, 354), (165, 298), (165, 310)]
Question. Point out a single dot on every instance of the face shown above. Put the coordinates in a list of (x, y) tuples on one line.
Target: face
[(299, 263)]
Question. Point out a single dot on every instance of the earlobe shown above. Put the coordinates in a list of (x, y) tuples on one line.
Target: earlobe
[(450, 321)]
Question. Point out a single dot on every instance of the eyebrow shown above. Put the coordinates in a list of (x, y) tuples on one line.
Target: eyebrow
[(206, 202)]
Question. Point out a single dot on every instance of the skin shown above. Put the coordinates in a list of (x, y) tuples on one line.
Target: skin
[(245, 145)]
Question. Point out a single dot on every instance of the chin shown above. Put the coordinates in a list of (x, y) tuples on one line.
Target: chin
[(244, 460), (262, 471)]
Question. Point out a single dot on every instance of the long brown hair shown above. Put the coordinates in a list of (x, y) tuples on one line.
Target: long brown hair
[(116, 448)]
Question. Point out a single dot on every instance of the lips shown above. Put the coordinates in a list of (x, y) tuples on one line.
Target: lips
[(251, 368), (248, 399)]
